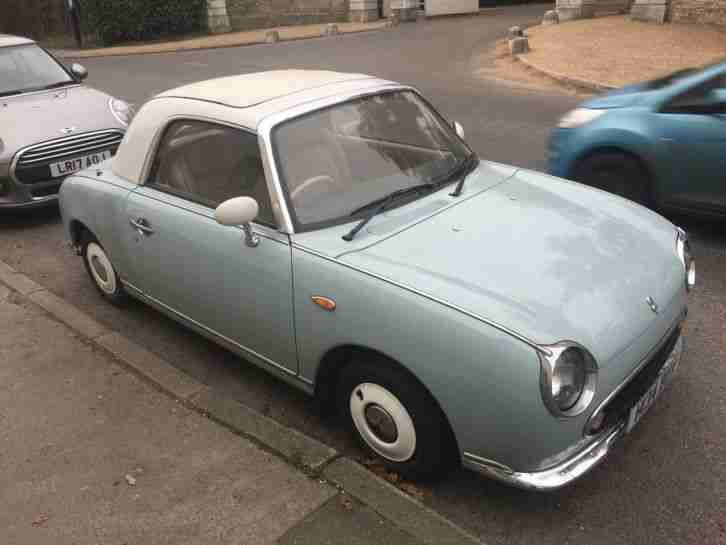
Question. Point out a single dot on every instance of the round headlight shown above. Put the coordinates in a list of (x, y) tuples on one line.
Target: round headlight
[(122, 111), (568, 378)]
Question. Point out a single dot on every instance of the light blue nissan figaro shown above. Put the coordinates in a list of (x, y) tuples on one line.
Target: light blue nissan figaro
[(335, 230)]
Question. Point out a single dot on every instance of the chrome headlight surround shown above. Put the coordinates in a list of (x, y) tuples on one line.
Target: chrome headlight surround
[(121, 110), (552, 355), (683, 249)]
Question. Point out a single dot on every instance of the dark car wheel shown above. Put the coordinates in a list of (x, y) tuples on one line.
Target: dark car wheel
[(396, 419), (102, 273), (616, 173)]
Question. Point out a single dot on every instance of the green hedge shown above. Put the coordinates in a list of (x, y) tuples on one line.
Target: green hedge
[(115, 21)]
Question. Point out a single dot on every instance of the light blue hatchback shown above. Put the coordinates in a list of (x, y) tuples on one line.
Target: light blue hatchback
[(661, 143)]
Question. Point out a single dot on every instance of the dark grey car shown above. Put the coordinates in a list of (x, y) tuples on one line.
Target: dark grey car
[(51, 125)]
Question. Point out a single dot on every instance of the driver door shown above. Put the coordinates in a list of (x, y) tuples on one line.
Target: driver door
[(199, 270), (692, 140)]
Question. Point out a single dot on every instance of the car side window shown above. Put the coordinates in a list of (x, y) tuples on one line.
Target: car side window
[(701, 99), (208, 163)]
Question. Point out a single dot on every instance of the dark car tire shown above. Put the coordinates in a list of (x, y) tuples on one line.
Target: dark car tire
[(423, 447), (101, 270), (616, 173)]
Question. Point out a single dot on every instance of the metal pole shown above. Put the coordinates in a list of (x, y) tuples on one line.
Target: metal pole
[(74, 13)]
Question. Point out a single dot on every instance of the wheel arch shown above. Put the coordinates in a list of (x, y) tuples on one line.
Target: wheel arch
[(634, 154), (76, 230), (338, 357)]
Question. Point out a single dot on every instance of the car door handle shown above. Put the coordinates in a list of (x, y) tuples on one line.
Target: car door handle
[(141, 225)]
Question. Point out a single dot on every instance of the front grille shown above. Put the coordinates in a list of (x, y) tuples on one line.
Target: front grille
[(45, 191), (32, 164), (619, 407)]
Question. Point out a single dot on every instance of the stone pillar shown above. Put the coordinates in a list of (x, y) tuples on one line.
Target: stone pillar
[(363, 11), (405, 10), (653, 11), (217, 18), (568, 10)]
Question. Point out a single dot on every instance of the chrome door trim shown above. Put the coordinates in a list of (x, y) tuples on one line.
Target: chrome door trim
[(504, 329), (211, 331)]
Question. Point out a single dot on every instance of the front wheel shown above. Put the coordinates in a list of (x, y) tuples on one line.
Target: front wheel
[(396, 419), (616, 173), (102, 273)]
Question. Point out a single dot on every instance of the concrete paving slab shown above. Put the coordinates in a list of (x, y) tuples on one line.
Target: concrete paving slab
[(19, 282), (89, 453), (344, 520)]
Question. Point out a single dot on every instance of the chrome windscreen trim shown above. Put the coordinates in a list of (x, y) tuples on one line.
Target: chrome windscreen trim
[(267, 125)]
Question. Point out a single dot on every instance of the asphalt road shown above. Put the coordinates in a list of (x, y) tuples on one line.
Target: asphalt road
[(664, 484)]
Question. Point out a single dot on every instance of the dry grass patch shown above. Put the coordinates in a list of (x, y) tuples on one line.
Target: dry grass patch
[(617, 51)]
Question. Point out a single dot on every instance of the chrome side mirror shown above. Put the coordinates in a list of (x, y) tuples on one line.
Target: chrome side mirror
[(459, 130), (239, 211), (79, 71)]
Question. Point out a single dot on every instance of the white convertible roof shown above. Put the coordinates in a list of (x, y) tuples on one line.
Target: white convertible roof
[(7, 40), (250, 90), (244, 100)]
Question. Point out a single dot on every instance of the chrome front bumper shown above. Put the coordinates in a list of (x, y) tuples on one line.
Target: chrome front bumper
[(568, 470)]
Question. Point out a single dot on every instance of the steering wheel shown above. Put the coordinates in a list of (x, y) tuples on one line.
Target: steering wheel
[(311, 181)]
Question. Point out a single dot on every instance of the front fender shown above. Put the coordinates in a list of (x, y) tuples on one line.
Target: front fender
[(486, 381), (621, 131)]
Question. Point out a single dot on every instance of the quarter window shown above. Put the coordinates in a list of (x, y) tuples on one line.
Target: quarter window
[(209, 163)]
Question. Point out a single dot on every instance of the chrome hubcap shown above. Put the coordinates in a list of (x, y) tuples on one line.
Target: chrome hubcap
[(383, 422)]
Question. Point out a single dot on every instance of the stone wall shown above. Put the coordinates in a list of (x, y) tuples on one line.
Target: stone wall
[(698, 11), (583, 9), (251, 14)]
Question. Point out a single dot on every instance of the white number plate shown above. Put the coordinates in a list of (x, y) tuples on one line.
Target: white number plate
[(663, 378), (64, 168)]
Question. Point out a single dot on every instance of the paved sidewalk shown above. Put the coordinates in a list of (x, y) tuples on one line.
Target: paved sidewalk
[(231, 39), (92, 453), (615, 51)]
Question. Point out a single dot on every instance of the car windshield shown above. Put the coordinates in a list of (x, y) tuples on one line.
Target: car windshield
[(674, 77), (334, 161), (29, 68)]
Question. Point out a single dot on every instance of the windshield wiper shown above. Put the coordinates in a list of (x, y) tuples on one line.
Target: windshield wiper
[(383, 203), (463, 170)]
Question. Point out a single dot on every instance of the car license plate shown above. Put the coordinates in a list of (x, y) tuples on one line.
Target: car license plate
[(663, 378), (64, 168)]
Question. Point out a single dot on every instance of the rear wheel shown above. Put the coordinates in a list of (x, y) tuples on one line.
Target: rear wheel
[(102, 273), (616, 173), (396, 419)]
